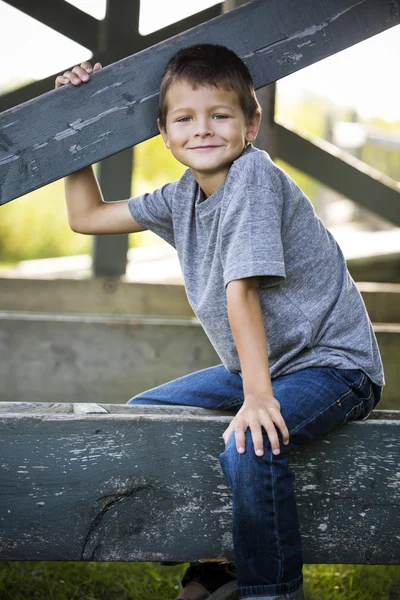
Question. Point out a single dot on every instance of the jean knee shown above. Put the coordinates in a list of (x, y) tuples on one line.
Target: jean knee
[(239, 466)]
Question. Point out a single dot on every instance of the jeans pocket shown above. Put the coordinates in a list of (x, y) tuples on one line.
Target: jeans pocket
[(359, 403), (355, 413)]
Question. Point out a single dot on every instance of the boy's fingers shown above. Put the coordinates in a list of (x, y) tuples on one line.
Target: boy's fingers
[(279, 421), (87, 66), (240, 439), (81, 74), (272, 436), (257, 437)]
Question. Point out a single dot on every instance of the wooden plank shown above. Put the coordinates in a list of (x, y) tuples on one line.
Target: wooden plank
[(111, 295), (96, 358), (95, 487), (382, 268), (63, 17), (382, 301), (99, 295), (340, 171), (93, 358), (69, 128)]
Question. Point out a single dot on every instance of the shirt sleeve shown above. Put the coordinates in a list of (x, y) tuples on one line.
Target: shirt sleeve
[(250, 238), (154, 211)]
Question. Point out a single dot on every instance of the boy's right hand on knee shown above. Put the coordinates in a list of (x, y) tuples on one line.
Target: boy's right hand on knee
[(77, 74)]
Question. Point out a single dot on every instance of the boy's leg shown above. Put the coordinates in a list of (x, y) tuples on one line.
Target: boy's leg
[(212, 388), (267, 543), (215, 388)]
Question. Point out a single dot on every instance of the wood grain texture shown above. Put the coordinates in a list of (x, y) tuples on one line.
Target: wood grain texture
[(66, 129), (147, 486)]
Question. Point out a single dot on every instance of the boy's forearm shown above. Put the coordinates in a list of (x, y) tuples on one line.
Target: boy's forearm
[(82, 195), (247, 326)]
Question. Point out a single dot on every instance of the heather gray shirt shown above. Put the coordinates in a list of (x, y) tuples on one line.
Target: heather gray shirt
[(259, 222)]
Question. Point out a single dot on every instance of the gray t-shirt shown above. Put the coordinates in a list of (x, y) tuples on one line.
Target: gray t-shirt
[(260, 223)]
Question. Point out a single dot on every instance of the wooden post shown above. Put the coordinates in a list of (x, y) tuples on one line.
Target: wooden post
[(115, 172)]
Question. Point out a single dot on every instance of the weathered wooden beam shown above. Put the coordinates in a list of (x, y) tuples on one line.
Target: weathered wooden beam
[(100, 295), (113, 296), (382, 301), (339, 170), (383, 268), (104, 358), (94, 486), (69, 128), (63, 17), (96, 358), (106, 56)]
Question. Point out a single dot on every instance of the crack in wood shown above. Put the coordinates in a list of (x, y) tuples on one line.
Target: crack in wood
[(106, 505)]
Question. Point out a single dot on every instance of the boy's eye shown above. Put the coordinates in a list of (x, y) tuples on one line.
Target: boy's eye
[(183, 119), (221, 117)]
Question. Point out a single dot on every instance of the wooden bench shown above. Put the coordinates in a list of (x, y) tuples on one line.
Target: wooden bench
[(106, 482)]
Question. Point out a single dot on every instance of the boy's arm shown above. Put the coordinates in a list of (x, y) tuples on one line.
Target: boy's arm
[(260, 408), (87, 211)]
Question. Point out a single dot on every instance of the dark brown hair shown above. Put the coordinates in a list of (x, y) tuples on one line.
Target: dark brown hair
[(210, 65)]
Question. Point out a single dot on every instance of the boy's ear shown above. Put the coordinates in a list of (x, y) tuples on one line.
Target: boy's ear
[(163, 132), (253, 127)]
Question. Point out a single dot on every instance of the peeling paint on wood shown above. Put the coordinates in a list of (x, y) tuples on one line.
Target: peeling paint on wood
[(131, 485)]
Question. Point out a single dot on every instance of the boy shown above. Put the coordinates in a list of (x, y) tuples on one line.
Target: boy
[(270, 286)]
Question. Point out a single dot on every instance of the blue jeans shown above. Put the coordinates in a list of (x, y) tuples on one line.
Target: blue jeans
[(266, 536)]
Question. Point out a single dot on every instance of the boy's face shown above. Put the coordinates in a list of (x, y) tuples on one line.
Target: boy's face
[(206, 129)]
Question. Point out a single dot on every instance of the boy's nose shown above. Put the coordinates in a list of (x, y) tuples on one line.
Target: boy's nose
[(203, 128)]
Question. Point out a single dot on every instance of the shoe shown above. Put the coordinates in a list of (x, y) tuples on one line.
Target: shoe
[(210, 578)]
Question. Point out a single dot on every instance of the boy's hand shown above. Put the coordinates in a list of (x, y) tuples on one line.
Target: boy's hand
[(258, 410), (78, 74)]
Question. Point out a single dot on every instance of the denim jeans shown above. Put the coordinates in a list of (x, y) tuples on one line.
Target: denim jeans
[(266, 536)]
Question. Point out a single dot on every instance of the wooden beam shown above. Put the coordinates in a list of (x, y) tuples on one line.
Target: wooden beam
[(63, 17), (339, 170), (100, 295), (110, 358), (91, 484), (69, 128), (111, 296), (382, 268)]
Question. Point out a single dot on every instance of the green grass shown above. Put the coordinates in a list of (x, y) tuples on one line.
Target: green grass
[(57, 580)]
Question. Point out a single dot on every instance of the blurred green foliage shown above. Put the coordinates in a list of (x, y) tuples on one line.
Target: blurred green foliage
[(36, 225)]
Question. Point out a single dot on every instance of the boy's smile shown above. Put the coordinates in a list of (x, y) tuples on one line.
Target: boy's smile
[(206, 130)]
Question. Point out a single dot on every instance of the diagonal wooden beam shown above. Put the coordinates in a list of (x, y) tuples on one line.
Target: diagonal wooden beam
[(62, 17), (339, 170), (69, 128)]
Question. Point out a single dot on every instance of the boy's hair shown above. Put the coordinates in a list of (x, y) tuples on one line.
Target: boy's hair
[(209, 65)]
